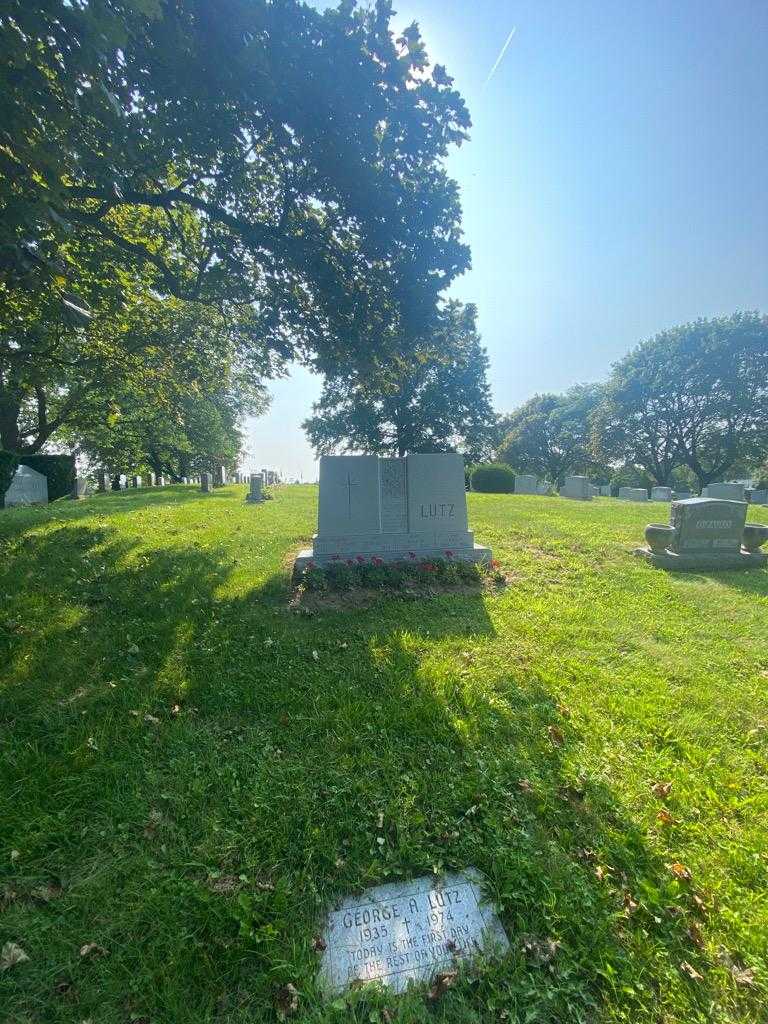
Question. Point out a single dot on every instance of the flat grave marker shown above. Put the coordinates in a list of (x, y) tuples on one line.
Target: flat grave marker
[(405, 932)]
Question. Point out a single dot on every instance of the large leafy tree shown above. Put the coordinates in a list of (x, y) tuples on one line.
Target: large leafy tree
[(695, 396), (549, 434), (437, 399), (245, 152)]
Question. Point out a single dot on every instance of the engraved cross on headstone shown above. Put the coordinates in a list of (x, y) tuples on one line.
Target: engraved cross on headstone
[(349, 483)]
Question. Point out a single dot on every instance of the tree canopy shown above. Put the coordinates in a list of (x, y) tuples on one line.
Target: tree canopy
[(549, 434), (238, 152), (695, 396), (438, 399)]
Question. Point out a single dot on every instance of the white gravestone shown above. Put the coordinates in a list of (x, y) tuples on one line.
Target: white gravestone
[(526, 484), (577, 487), (135, 481), (408, 931), (393, 509), (28, 487)]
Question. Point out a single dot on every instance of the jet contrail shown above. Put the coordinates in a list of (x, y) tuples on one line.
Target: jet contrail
[(500, 57)]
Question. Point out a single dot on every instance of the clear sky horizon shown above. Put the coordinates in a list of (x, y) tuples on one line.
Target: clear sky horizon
[(613, 185)]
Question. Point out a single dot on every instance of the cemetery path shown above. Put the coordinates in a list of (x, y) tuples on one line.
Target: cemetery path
[(189, 772)]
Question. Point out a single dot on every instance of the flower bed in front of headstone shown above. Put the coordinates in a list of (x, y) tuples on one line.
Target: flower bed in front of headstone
[(372, 575)]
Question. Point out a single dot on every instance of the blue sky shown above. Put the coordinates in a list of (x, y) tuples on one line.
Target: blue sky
[(614, 184)]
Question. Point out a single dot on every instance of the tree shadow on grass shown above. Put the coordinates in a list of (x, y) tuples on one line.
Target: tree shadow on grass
[(204, 771)]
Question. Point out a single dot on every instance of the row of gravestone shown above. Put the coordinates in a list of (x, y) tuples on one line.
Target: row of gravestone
[(581, 489), (29, 487)]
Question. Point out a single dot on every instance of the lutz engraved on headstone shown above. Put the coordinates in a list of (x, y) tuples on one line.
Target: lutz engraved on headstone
[(28, 487), (661, 494), (408, 931), (526, 484), (576, 487), (254, 495), (392, 509), (706, 533)]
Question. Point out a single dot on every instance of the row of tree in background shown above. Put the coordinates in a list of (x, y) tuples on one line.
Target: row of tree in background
[(686, 408)]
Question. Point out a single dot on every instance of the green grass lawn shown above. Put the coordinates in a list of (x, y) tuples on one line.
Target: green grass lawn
[(190, 772)]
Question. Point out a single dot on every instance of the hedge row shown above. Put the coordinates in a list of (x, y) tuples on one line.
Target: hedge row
[(494, 478), (58, 469)]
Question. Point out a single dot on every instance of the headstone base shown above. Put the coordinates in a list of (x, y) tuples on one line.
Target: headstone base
[(396, 553), (694, 563)]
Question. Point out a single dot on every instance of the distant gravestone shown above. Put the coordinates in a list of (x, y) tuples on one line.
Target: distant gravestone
[(255, 496), (205, 482), (605, 490), (135, 481), (79, 488), (28, 487), (405, 932), (594, 491), (633, 494), (759, 497), (220, 476), (661, 494), (706, 533), (682, 495), (576, 487), (161, 481), (526, 484), (729, 492), (392, 509), (101, 478)]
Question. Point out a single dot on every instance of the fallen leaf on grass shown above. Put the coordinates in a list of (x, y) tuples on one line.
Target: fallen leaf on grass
[(661, 789), (743, 975), (695, 934), (680, 871), (225, 884), (564, 711), (555, 735), (665, 817), (525, 786), (46, 893), (286, 1001), (11, 955), (92, 950), (443, 980), (319, 944), (699, 903), (151, 719), (630, 905), (541, 952), (691, 971)]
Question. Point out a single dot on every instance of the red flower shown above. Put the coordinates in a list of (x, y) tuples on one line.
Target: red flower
[(359, 559), (495, 564), (377, 561)]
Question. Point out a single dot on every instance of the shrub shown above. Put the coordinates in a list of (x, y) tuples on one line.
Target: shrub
[(59, 469), (493, 478), (8, 464)]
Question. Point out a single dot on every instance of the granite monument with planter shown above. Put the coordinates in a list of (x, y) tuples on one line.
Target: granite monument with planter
[(392, 510)]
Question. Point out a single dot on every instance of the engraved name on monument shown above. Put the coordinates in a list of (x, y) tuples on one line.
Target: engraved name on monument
[(407, 931)]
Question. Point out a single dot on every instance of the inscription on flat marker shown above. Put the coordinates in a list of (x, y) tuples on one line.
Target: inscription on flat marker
[(408, 931)]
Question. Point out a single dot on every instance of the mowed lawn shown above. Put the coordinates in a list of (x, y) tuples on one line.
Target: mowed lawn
[(190, 771)]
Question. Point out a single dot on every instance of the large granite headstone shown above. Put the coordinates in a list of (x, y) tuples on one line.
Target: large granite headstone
[(28, 487), (633, 494), (705, 533), (526, 484), (730, 492), (392, 509), (405, 932), (254, 495), (576, 487)]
